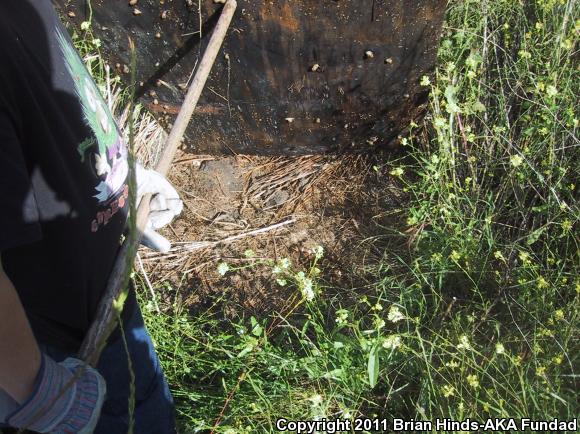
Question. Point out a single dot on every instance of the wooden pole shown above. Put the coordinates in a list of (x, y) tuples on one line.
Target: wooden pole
[(105, 320)]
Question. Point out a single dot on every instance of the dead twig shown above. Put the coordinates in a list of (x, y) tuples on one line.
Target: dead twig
[(189, 246), (148, 282)]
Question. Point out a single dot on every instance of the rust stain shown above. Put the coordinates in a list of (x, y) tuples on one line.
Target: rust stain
[(288, 19), (284, 16)]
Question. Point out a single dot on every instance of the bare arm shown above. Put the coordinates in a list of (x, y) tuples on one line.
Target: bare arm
[(19, 353)]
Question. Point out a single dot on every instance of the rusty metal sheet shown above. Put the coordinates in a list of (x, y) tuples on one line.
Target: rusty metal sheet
[(295, 76)]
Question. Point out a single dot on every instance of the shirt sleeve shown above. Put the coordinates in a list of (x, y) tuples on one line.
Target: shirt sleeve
[(19, 222)]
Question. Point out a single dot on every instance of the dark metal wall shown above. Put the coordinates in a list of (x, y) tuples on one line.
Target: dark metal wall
[(294, 77)]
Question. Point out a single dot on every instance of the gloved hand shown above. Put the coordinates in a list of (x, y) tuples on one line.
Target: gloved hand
[(57, 409), (164, 206)]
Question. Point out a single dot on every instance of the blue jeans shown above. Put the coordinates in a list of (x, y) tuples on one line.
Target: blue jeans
[(154, 409)]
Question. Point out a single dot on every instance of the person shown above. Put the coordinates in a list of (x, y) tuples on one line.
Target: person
[(64, 196)]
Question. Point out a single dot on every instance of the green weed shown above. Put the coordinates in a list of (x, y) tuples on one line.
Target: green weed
[(480, 320)]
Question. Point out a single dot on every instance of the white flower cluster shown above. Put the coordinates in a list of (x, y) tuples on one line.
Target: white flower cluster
[(223, 268), (395, 314), (305, 286), (318, 252), (392, 342)]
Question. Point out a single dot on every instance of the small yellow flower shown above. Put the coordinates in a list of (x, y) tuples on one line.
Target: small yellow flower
[(448, 391), (567, 44), (473, 381), (499, 348), (498, 255), (464, 343), (412, 221), (341, 316), (558, 359), (559, 315), (425, 81), (524, 257), (455, 256), (398, 172), (524, 54), (516, 160), (545, 332), (542, 283), (541, 371)]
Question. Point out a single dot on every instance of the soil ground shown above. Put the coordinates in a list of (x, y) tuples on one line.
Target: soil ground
[(336, 202)]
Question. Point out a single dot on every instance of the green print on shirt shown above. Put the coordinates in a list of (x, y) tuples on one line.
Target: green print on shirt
[(107, 151)]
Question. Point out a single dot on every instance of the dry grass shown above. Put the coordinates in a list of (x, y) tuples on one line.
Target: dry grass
[(237, 203)]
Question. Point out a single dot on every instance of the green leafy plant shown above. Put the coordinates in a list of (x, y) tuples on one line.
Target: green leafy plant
[(478, 318)]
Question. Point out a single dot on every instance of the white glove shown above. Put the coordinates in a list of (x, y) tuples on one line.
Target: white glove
[(165, 205)]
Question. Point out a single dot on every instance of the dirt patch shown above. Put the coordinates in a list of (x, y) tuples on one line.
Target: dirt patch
[(335, 202)]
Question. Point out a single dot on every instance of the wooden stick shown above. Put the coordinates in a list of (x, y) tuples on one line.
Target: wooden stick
[(105, 320), (196, 87)]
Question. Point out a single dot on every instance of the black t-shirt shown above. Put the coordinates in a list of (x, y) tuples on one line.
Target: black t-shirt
[(63, 173)]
